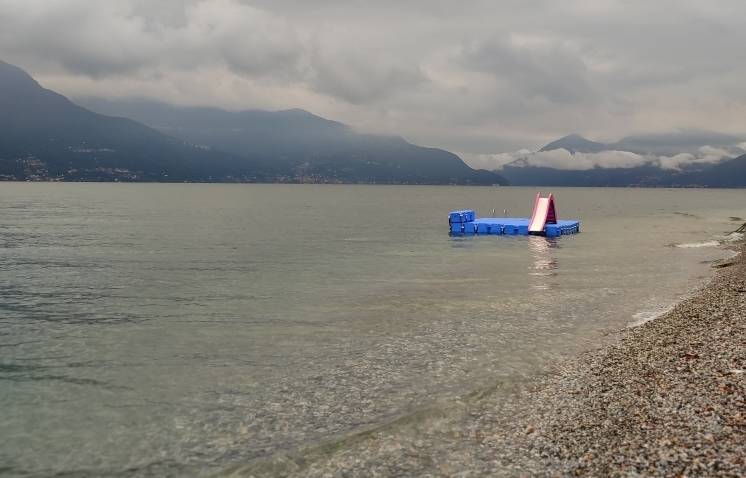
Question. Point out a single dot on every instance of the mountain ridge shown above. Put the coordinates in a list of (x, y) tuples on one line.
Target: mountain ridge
[(682, 141), (729, 171), (45, 136), (300, 142), (575, 143)]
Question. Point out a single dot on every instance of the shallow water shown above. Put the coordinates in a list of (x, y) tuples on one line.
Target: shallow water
[(178, 329)]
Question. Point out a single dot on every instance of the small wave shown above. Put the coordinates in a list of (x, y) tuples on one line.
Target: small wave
[(647, 315), (717, 241), (690, 245)]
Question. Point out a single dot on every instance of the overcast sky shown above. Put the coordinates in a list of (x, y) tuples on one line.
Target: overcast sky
[(471, 76)]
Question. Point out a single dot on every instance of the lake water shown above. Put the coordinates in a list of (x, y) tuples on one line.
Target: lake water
[(178, 329)]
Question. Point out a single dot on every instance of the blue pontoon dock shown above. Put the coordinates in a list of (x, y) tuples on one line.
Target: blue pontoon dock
[(543, 222)]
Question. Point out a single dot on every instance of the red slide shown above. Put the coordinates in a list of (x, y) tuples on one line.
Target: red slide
[(544, 213)]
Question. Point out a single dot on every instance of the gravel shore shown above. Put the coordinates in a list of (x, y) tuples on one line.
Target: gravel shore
[(668, 398)]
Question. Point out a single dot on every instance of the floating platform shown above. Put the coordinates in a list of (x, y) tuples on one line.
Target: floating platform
[(543, 222), (512, 226)]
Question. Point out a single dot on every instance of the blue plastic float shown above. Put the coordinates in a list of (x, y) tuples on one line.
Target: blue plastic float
[(543, 222)]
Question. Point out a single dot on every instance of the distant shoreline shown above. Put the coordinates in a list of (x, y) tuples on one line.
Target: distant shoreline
[(16, 181), (100, 181)]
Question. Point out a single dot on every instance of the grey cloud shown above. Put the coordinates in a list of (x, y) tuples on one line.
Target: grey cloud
[(434, 71), (92, 41), (251, 41), (118, 39), (563, 159), (359, 78), (115, 38), (705, 155), (546, 70)]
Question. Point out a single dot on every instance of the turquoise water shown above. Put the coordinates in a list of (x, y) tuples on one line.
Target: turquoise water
[(178, 329)]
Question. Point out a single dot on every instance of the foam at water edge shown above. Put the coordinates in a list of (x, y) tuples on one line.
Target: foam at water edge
[(698, 244), (647, 315), (734, 237), (656, 310), (717, 241)]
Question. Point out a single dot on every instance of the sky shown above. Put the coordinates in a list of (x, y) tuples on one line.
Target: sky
[(475, 77)]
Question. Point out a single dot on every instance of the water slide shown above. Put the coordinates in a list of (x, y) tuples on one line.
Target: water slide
[(544, 213)]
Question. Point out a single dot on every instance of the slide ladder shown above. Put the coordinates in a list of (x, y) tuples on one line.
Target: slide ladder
[(544, 213)]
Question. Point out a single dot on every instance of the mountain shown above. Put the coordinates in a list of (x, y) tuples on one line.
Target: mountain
[(727, 173), (300, 145), (43, 135), (668, 144), (575, 143), (688, 141)]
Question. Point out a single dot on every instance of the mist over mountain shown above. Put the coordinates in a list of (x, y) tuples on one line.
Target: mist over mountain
[(686, 141), (731, 174), (245, 132), (45, 136), (679, 159), (300, 144)]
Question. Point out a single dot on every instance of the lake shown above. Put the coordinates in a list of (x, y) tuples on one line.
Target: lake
[(175, 329)]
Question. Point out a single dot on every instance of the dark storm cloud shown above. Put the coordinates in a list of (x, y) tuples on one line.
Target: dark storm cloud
[(478, 76)]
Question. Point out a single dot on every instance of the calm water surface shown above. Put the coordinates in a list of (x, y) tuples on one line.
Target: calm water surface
[(178, 329)]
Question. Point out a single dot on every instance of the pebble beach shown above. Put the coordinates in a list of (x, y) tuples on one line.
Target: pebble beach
[(666, 398)]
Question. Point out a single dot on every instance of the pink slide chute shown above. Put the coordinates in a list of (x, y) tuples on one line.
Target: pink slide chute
[(544, 213)]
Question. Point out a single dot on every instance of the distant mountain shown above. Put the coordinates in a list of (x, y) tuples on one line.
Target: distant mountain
[(45, 136), (727, 173), (575, 143), (643, 176), (300, 145), (673, 143), (687, 141)]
